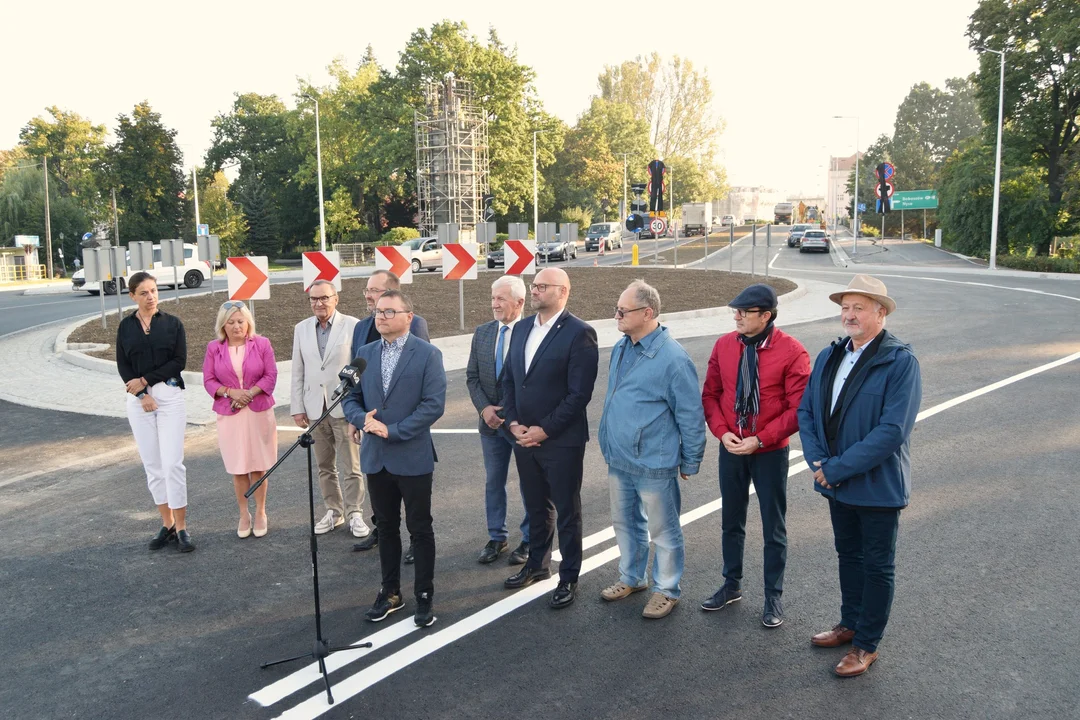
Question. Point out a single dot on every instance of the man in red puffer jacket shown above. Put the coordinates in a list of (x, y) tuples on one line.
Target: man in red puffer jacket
[(755, 381)]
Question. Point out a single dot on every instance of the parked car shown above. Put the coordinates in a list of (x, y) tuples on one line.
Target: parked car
[(727, 221), (609, 233), (193, 273), (796, 233), (426, 253), (558, 250), (814, 240)]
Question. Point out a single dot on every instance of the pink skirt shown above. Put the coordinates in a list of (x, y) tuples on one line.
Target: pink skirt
[(248, 441)]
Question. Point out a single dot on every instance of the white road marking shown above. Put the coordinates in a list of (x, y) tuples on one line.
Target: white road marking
[(316, 705)]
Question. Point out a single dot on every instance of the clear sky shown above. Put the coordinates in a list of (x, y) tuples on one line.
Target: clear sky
[(780, 68)]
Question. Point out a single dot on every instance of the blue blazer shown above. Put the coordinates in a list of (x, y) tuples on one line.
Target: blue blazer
[(417, 327), (416, 398), (556, 390)]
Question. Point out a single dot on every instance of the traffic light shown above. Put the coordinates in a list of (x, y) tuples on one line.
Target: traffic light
[(635, 222), (884, 204), (656, 185), (489, 212)]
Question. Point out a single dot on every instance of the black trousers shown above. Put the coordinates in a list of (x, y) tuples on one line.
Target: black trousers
[(768, 471), (551, 483), (387, 492)]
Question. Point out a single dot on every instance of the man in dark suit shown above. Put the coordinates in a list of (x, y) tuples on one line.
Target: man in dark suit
[(366, 332), (395, 403), (483, 375), (548, 382)]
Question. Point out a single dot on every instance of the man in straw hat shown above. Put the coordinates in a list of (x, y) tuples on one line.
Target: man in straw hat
[(855, 422)]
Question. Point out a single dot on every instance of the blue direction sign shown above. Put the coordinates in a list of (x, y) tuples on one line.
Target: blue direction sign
[(862, 207)]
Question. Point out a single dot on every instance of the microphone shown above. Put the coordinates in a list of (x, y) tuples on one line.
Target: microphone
[(349, 376)]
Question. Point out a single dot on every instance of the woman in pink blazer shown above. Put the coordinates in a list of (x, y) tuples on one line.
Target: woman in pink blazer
[(239, 372)]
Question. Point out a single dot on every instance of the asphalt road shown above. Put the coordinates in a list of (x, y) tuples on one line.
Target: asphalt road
[(96, 626)]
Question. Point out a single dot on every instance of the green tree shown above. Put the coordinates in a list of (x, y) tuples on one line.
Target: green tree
[(676, 101), (76, 150), (1042, 86), (341, 217), (22, 211), (144, 167), (223, 216), (259, 138), (263, 235)]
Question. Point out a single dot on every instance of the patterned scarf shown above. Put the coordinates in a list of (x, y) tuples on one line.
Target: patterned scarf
[(747, 394)]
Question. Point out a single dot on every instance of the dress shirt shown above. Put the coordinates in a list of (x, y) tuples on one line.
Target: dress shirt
[(391, 353), (846, 365), (539, 332), (322, 335)]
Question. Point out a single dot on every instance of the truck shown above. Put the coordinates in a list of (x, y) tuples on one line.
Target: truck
[(695, 218), (782, 213)]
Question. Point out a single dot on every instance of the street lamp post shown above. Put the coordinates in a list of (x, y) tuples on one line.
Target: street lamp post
[(318, 161), (855, 201), (997, 159), (536, 190)]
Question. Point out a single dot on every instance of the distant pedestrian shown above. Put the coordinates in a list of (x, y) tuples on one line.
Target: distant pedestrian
[(753, 387), (651, 434), (240, 373), (151, 353), (483, 376), (855, 423)]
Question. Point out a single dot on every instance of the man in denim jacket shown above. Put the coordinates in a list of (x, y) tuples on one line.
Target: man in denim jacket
[(652, 432)]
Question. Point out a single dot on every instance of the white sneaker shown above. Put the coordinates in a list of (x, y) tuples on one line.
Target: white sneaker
[(357, 526), (330, 521)]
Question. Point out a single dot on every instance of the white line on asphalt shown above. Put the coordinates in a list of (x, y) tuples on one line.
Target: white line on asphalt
[(358, 682)]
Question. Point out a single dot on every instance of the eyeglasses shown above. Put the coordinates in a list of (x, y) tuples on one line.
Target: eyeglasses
[(374, 291), (740, 312), (388, 313), (324, 299), (622, 313), (543, 287), (232, 304)]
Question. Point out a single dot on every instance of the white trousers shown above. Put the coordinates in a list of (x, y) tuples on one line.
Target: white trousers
[(159, 435)]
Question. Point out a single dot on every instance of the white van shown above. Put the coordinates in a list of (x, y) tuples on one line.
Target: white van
[(192, 274), (426, 253)]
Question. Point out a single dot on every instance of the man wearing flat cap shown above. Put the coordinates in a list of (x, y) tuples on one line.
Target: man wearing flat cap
[(753, 387), (855, 423)]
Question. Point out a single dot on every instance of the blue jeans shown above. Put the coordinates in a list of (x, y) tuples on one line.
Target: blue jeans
[(497, 452), (640, 507), (865, 539)]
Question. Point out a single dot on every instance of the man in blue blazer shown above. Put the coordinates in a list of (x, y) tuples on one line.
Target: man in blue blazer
[(401, 393), (547, 384), (367, 332)]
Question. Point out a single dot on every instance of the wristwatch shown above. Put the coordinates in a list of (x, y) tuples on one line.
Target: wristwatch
[(759, 443)]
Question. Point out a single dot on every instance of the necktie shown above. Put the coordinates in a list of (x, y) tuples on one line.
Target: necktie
[(499, 350)]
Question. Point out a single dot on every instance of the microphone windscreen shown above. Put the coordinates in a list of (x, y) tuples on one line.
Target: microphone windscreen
[(360, 364)]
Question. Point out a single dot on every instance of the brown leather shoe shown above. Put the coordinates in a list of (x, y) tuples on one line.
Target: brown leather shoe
[(836, 637), (856, 662)]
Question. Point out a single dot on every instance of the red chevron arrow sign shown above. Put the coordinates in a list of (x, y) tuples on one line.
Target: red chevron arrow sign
[(519, 257), (397, 260), (324, 265), (459, 261), (248, 278)]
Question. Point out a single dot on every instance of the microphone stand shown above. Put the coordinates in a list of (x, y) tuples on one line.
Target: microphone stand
[(321, 648)]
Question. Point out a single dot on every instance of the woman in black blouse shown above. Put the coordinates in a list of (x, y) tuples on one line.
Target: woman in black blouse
[(151, 352)]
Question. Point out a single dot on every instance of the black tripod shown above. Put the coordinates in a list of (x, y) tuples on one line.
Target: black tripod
[(321, 648)]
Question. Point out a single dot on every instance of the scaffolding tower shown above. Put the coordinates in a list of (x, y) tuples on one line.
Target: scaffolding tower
[(451, 157)]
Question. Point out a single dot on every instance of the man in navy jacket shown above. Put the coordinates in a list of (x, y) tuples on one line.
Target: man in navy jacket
[(399, 396), (855, 421), (547, 384)]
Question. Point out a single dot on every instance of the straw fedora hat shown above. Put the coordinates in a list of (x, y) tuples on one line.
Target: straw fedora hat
[(869, 286)]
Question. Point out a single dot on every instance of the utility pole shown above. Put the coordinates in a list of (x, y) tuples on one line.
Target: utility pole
[(116, 221), (48, 220), (195, 184)]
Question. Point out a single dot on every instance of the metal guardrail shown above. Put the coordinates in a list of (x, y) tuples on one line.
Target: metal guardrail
[(22, 273)]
